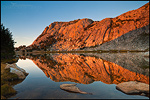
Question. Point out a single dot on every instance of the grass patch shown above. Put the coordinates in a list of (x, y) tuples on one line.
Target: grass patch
[(13, 60), (7, 90), (7, 76)]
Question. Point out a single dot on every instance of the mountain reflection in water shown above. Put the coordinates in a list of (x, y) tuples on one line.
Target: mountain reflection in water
[(83, 69)]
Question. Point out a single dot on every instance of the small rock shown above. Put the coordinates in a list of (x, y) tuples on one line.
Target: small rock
[(72, 88), (133, 87), (143, 94)]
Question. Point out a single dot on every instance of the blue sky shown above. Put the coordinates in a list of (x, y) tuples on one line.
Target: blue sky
[(27, 19)]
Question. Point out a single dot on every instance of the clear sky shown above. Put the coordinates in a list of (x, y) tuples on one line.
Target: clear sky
[(27, 19)]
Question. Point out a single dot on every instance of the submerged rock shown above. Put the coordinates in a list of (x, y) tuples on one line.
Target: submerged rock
[(17, 70), (72, 88), (133, 87)]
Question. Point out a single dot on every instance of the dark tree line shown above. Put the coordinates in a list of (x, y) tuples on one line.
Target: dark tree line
[(7, 43)]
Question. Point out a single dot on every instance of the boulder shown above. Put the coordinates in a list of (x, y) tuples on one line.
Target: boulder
[(133, 87), (17, 70), (72, 88)]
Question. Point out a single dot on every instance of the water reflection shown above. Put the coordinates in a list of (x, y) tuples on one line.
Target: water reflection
[(83, 69), (135, 62)]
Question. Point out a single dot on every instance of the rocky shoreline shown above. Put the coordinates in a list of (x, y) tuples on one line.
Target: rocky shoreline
[(11, 75)]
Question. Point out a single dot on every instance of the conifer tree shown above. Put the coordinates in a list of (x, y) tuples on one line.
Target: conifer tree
[(7, 43)]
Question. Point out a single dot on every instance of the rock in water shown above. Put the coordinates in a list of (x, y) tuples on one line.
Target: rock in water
[(133, 87), (72, 88), (17, 70)]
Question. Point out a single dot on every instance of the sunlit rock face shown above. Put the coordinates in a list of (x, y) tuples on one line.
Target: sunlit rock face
[(137, 39), (85, 32), (85, 69)]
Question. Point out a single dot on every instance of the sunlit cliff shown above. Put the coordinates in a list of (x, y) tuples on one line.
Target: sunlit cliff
[(82, 33)]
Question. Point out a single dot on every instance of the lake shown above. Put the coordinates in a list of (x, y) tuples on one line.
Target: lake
[(94, 73)]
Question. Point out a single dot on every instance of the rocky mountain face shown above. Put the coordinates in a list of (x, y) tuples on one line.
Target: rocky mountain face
[(134, 40), (86, 69), (137, 39), (81, 33)]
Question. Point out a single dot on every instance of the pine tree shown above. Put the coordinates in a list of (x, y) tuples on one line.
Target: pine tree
[(7, 43)]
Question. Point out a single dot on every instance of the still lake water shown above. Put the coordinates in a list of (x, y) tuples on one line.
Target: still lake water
[(92, 74)]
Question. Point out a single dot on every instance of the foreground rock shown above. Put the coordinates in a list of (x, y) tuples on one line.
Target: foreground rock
[(17, 70), (72, 88), (133, 87)]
